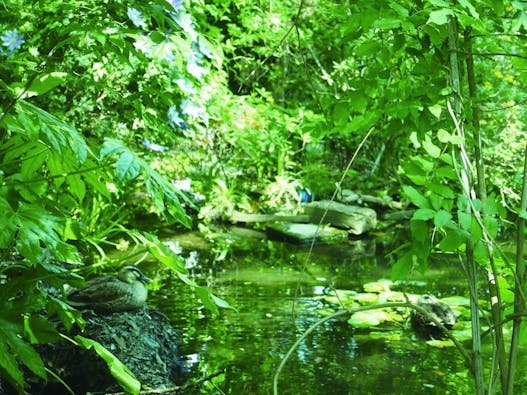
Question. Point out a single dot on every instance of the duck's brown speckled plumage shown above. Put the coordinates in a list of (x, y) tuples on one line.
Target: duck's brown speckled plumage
[(124, 292), (426, 328)]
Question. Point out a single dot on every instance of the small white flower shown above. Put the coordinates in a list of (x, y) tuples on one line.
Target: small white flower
[(136, 18)]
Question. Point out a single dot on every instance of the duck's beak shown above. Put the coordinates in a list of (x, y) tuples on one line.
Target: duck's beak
[(145, 279)]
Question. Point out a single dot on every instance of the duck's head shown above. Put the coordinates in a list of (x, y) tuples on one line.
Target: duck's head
[(130, 273)]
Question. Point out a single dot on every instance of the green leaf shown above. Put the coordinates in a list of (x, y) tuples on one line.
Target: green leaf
[(424, 214), (439, 17), (8, 225), (45, 83), (452, 240), (442, 218), (39, 330), (445, 137), (62, 137), (162, 253), (433, 150), (435, 110), (415, 197), (387, 23), (419, 230), (164, 194), (465, 219), (206, 297), (442, 190), (124, 377), (10, 366), (402, 267), (23, 351), (127, 166)]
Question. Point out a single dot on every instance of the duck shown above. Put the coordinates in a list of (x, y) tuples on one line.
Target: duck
[(125, 292), (423, 326)]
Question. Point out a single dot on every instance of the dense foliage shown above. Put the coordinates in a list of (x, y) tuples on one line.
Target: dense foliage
[(118, 111)]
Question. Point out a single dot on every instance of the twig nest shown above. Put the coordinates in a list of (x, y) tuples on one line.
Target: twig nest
[(423, 325)]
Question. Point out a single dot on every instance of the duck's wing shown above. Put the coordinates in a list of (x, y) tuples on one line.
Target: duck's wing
[(98, 290)]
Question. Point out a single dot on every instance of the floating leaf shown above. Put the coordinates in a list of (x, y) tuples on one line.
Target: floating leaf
[(366, 319)]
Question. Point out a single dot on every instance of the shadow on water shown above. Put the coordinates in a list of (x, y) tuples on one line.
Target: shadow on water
[(277, 296)]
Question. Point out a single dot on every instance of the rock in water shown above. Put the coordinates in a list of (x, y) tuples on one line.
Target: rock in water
[(424, 326)]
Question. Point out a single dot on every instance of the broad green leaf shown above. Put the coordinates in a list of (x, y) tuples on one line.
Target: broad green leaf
[(164, 194), (436, 201), (22, 350), (465, 219), (62, 136), (481, 253), (442, 218), (441, 189), (439, 17), (452, 240), (7, 222), (39, 330), (162, 252), (419, 230), (414, 140), (45, 83), (127, 166), (206, 297), (9, 364), (446, 172), (221, 302), (435, 110), (402, 267), (124, 377), (415, 197), (445, 137), (491, 224), (424, 214), (387, 23), (433, 150)]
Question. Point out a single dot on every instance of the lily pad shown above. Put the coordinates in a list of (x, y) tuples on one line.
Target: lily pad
[(367, 319), (381, 285)]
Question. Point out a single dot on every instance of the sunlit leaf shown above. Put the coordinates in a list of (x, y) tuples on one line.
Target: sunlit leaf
[(442, 218), (415, 197), (45, 83), (440, 17), (435, 110), (424, 214)]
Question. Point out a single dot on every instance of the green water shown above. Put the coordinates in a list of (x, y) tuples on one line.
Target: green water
[(277, 294)]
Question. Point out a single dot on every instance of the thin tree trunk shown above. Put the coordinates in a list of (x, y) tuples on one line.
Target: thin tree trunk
[(519, 302), (465, 176), (494, 292)]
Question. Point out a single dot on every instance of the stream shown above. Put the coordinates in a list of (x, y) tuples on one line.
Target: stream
[(279, 290)]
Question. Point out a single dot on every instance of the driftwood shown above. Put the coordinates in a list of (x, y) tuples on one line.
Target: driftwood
[(237, 216), (347, 196), (357, 220)]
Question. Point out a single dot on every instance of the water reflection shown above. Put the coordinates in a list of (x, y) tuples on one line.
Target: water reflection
[(276, 296)]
